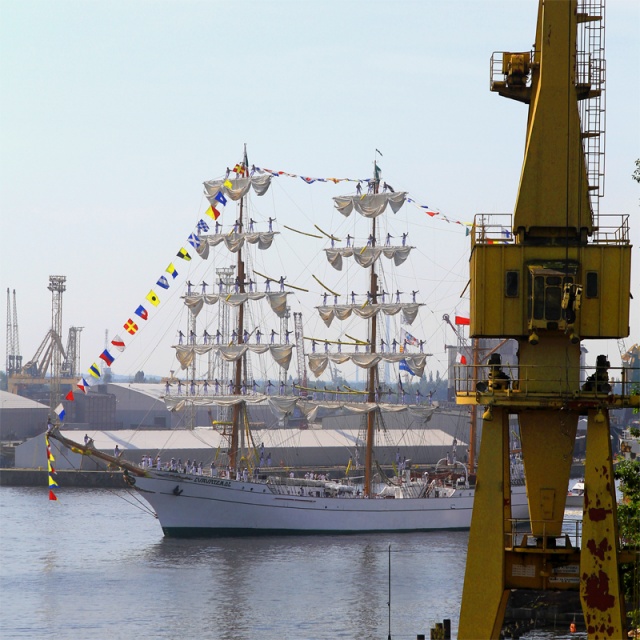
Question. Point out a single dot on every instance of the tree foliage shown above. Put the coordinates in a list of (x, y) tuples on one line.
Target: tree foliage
[(628, 473)]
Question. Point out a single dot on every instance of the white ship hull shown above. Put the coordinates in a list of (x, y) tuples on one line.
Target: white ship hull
[(574, 502), (190, 506)]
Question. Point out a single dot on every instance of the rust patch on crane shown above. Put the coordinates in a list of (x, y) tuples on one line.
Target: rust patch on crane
[(596, 593), (597, 514), (599, 550)]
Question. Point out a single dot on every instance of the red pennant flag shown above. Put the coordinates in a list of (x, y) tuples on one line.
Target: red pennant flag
[(461, 320), (118, 343), (52, 496), (69, 396)]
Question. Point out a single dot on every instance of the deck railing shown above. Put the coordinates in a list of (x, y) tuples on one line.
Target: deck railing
[(497, 228), (534, 381)]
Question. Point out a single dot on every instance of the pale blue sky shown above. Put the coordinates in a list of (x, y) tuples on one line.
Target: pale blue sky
[(113, 113)]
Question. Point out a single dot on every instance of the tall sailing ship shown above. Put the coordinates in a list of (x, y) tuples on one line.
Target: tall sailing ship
[(241, 496)]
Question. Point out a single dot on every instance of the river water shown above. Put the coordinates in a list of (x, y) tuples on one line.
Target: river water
[(94, 565)]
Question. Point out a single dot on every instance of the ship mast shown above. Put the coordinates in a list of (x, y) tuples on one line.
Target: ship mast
[(237, 382), (373, 371)]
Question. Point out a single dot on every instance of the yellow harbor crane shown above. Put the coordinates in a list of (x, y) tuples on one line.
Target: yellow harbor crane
[(560, 275)]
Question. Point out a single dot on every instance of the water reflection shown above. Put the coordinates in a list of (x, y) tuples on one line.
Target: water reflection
[(268, 586), (92, 566)]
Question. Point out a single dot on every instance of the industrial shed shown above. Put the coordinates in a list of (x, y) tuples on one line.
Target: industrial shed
[(287, 447), (20, 417)]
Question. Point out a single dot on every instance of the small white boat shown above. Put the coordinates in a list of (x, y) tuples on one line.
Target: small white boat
[(630, 442), (575, 496)]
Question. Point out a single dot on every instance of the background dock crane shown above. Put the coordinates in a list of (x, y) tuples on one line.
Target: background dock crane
[(52, 364), (14, 359)]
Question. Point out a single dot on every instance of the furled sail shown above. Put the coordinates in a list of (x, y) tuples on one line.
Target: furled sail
[(185, 353), (179, 403), (343, 311), (234, 241), (318, 361), (370, 205), (283, 406), (277, 300), (366, 256), (239, 186)]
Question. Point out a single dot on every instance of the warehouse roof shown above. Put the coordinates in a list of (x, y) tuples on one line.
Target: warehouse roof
[(14, 401), (153, 390), (207, 438)]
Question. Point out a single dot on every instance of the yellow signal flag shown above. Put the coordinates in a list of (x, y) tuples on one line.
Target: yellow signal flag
[(52, 482), (227, 183), (153, 298), (171, 270), (212, 213), (346, 473)]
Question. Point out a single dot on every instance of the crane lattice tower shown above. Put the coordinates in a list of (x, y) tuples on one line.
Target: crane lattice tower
[(57, 286), (14, 359)]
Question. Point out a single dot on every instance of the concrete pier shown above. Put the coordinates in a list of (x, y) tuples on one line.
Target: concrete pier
[(76, 479)]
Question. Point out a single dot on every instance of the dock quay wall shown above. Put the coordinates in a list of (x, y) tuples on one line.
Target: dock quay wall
[(66, 478)]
